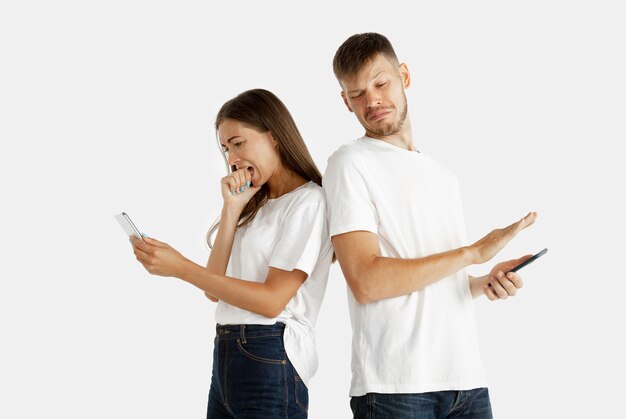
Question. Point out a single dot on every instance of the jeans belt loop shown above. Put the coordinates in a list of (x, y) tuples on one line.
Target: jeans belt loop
[(242, 329)]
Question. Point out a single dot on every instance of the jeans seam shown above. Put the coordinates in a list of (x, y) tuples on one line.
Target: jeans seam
[(297, 379), (258, 358), (225, 383), (460, 401), (285, 391), (249, 337)]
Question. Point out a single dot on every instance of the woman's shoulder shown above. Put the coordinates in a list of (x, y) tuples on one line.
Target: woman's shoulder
[(309, 194)]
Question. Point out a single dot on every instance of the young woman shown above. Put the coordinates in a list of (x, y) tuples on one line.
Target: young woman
[(268, 266)]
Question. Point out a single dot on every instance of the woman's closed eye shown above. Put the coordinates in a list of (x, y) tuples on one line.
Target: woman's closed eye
[(233, 144)]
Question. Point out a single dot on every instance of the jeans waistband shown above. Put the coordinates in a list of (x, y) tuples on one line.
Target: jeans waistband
[(243, 331)]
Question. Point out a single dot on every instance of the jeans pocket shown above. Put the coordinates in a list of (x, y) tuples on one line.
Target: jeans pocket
[(302, 394), (262, 350)]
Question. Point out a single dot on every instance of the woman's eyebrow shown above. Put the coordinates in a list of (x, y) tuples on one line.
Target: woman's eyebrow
[(229, 140)]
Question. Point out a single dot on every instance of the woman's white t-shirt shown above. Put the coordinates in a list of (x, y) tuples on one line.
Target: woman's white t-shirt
[(289, 232), (424, 341)]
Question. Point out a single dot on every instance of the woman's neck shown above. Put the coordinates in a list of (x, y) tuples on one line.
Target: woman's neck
[(282, 182)]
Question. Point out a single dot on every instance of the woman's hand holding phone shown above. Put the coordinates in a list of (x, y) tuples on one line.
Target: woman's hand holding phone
[(159, 258)]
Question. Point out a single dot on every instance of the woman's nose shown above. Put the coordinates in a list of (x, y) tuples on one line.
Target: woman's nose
[(233, 158)]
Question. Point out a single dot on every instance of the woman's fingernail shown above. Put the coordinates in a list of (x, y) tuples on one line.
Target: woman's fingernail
[(233, 192), (248, 184), (242, 189), (144, 235)]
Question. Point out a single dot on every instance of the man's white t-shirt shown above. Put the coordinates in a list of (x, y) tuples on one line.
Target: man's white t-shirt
[(427, 340), (289, 232)]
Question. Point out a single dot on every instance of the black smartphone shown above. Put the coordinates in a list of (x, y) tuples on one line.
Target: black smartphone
[(529, 260)]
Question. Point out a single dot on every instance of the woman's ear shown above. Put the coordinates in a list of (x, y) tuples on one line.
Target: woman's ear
[(272, 139)]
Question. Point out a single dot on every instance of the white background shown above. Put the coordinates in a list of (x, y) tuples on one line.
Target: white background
[(108, 107)]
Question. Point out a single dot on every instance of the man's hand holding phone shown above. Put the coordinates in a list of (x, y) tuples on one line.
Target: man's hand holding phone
[(503, 280)]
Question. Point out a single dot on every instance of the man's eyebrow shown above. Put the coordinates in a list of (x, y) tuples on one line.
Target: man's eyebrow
[(360, 90), (377, 74)]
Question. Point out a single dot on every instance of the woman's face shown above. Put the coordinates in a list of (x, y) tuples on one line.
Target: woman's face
[(247, 148)]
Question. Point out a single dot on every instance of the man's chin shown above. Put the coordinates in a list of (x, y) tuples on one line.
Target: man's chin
[(385, 130)]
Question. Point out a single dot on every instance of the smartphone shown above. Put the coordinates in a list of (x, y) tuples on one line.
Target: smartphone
[(129, 227), (529, 260)]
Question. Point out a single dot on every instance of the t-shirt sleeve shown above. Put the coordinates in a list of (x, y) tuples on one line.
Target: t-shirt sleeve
[(350, 207), (303, 233)]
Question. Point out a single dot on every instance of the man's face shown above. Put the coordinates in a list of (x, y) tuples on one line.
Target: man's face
[(376, 96)]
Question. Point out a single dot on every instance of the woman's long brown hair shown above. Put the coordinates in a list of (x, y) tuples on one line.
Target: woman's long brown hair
[(262, 110)]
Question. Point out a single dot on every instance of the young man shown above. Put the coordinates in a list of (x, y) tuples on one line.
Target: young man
[(397, 228)]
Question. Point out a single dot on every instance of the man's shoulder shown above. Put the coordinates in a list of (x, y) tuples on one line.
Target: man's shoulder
[(347, 153)]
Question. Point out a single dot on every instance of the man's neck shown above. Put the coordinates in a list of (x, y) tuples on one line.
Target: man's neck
[(402, 139)]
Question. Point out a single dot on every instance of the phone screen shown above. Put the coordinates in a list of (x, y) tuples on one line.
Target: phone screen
[(529, 260), (128, 226)]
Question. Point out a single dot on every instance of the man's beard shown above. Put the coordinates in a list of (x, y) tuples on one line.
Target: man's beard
[(391, 128)]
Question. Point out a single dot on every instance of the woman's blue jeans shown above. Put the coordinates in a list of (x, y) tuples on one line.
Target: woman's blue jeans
[(252, 376)]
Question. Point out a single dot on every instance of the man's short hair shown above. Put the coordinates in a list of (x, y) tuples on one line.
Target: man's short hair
[(358, 51)]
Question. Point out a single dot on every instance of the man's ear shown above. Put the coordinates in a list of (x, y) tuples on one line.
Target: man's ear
[(405, 75), (345, 100)]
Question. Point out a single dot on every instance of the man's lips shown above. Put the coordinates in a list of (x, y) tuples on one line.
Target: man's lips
[(378, 115)]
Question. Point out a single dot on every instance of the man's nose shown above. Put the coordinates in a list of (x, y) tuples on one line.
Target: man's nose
[(373, 99)]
